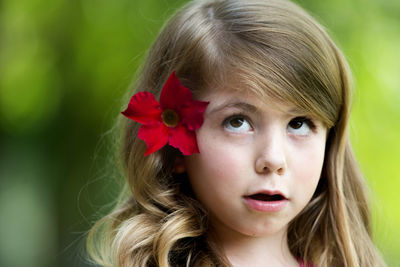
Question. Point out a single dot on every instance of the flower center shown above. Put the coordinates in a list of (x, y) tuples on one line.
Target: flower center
[(170, 117)]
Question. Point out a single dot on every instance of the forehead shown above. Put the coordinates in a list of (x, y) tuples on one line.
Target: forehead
[(246, 100)]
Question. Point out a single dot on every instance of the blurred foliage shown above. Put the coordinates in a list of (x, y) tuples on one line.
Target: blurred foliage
[(64, 67)]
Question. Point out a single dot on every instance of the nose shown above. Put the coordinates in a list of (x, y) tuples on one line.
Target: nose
[(271, 156)]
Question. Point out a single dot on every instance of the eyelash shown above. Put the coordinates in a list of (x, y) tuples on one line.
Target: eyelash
[(310, 123)]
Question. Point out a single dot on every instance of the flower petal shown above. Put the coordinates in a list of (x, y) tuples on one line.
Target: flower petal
[(183, 139), (174, 95), (155, 135), (192, 115), (143, 108)]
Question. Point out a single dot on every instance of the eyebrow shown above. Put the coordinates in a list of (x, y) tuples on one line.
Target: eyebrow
[(239, 105), (296, 111), (253, 109)]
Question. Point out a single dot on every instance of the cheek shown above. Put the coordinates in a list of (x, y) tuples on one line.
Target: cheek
[(307, 166), (214, 165), (310, 163), (218, 156), (208, 179), (215, 173)]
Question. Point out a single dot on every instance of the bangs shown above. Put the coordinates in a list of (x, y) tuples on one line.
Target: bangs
[(288, 58), (288, 69), (286, 82)]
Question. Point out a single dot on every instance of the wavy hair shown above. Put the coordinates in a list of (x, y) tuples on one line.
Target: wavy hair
[(275, 49)]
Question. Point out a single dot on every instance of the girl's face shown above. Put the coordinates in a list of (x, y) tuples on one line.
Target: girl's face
[(258, 166)]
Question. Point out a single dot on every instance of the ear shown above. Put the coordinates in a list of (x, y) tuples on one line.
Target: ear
[(179, 165)]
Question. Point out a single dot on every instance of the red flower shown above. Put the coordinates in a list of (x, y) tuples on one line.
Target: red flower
[(173, 120)]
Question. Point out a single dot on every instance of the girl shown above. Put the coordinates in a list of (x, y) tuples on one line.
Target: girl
[(257, 168)]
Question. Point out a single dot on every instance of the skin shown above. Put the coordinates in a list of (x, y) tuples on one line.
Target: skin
[(247, 146)]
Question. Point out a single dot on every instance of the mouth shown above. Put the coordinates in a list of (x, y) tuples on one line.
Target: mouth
[(267, 197), (266, 201)]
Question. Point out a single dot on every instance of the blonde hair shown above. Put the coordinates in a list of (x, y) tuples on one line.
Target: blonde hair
[(274, 49)]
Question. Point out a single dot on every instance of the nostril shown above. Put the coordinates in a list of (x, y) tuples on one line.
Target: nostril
[(280, 171), (263, 170)]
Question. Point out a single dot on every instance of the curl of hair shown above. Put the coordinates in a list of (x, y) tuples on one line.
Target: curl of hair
[(275, 49)]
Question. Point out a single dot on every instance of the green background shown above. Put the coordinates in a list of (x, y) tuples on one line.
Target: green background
[(64, 68)]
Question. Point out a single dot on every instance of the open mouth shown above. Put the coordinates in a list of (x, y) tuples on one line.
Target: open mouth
[(266, 197), (266, 201)]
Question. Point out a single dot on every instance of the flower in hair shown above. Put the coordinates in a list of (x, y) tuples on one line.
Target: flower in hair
[(171, 121)]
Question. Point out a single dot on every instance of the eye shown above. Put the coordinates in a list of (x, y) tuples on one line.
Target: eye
[(237, 124), (301, 126)]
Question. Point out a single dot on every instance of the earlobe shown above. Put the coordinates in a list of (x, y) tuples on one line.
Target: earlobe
[(179, 165)]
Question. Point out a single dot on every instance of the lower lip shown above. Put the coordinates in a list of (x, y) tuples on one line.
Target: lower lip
[(266, 206)]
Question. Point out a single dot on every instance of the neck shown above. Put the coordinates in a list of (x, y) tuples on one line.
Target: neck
[(260, 251)]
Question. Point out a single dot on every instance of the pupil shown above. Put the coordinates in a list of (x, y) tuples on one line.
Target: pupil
[(296, 124), (237, 122)]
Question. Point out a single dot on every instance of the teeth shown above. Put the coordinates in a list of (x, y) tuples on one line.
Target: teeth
[(265, 197)]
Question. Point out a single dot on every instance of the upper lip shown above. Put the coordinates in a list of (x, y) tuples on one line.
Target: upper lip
[(268, 192)]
